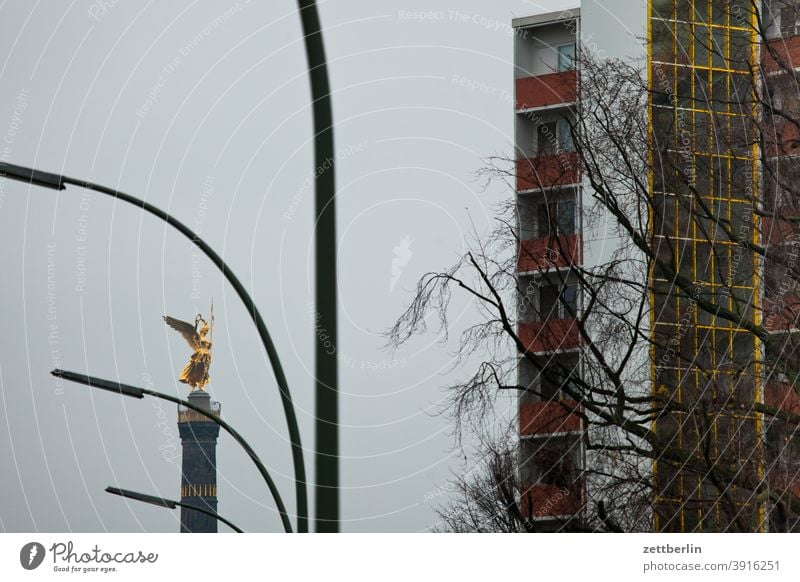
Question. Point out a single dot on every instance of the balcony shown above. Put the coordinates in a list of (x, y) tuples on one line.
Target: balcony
[(782, 396), (546, 90), (542, 254), (548, 417), (787, 49), (781, 315), (542, 501), (777, 231), (550, 335), (548, 171), (783, 139)]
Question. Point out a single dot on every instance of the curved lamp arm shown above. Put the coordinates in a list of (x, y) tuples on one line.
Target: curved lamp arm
[(59, 182), (136, 392), (168, 503)]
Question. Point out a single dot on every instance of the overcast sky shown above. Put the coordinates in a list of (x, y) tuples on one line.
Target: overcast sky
[(203, 108)]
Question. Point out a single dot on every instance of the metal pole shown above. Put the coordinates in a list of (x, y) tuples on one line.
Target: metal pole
[(136, 392), (326, 463), (169, 504), (58, 182), (266, 339)]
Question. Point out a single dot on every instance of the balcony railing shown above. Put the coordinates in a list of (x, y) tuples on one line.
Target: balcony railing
[(788, 50), (548, 171), (550, 335), (782, 396), (783, 139), (777, 231), (550, 252), (546, 90), (781, 315), (548, 417)]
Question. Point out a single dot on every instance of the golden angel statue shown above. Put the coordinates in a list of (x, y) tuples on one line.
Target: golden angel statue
[(195, 374)]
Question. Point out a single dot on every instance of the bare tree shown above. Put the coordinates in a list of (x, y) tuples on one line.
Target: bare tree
[(683, 300)]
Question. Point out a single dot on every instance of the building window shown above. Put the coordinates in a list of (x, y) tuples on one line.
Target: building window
[(569, 301), (788, 21), (554, 461), (566, 57), (561, 373), (556, 218), (546, 138), (564, 136), (565, 217), (553, 137), (548, 302), (558, 373), (557, 301), (774, 96)]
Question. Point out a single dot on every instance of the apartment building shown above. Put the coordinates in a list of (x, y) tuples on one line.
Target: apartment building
[(721, 229)]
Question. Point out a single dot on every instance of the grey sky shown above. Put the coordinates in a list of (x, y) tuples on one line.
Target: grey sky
[(203, 108)]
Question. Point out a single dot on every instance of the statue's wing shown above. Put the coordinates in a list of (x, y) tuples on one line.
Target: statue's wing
[(187, 330)]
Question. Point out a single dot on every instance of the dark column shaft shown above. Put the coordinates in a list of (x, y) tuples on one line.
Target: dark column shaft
[(199, 466)]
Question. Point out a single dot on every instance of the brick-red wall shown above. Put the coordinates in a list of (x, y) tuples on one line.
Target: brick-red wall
[(788, 50), (548, 171), (781, 314), (543, 90), (777, 231), (782, 396), (547, 417), (553, 334), (550, 252)]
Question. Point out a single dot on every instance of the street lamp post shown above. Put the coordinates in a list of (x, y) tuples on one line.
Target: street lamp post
[(326, 490), (169, 504), (136, 392), (327, 384), (59, 182)]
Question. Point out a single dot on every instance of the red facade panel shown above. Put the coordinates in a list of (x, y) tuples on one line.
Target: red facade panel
[(781, 314), (775, 231), (550, 171), (550, 335), (786, 49), (545, 253), (548, 417), (783, 138), (782, 396), (544, 90)]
